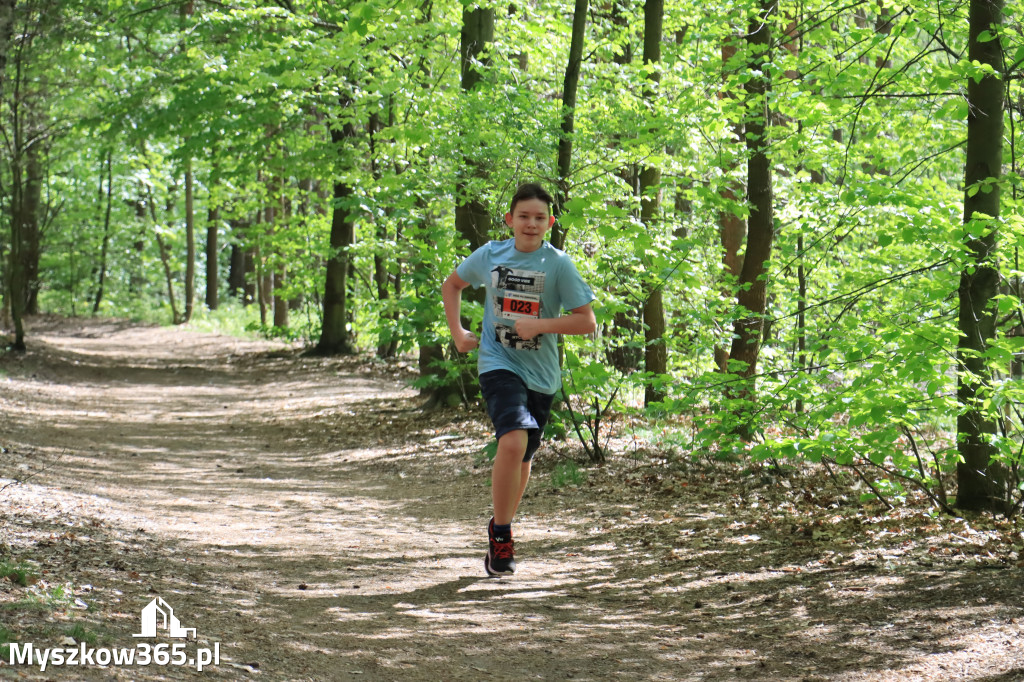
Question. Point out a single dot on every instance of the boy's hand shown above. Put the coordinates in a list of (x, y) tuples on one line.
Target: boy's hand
[(527, 328), (465, 341)]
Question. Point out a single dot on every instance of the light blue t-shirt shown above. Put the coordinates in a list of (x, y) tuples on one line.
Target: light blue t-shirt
[(539, 284)]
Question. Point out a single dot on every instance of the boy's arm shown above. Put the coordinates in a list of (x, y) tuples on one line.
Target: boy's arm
[(579, 321), (451, 296)]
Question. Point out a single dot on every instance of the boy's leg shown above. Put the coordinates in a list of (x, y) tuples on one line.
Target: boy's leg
[(539, 407), (513, 411), (524, 479), (507, 480)]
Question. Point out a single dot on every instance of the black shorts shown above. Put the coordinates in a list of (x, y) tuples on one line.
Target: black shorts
[(513, 407)]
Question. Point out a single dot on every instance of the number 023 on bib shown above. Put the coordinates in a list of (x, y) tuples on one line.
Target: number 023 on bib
[(517, 305)]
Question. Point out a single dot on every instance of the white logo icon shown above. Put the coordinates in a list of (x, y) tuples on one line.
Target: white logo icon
[(168, 621)]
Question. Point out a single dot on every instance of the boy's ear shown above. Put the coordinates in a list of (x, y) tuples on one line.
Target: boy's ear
[(551, 222), (508, 219)]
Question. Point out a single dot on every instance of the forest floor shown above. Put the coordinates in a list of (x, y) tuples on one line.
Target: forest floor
[(311, 523)]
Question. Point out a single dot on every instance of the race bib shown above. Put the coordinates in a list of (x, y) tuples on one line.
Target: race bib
[(517, 305)]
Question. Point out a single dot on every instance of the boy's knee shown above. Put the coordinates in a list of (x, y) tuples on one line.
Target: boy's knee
[(513, 442), (514, 437)]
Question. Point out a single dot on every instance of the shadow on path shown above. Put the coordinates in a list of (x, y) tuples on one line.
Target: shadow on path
[(303, 514)]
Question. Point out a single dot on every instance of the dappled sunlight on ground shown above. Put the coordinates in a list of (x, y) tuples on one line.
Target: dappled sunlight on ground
[(306, 515)]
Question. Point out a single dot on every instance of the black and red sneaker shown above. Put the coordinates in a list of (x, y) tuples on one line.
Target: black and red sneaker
[(500, 558)]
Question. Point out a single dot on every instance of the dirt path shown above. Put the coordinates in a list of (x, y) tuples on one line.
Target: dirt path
[(304, 516)]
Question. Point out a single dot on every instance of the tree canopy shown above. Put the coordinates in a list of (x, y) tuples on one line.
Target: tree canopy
[(783, 208)]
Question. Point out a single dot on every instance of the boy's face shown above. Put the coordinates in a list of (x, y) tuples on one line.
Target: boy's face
[(530, 221)]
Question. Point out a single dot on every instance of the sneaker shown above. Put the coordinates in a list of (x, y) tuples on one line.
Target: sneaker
[(500, 559)]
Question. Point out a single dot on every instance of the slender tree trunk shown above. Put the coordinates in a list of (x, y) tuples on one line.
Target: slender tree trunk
[(753, 286), (136, 278), (263, 283), (382, 264), (10, 286), (281, 306), (472, 217), (236, 266), (335, 337), (259, 229), (212, 264), (190, 243), (624, 353), (570, 87), (732, 229), (979, 479), (32, 201), (165, 259), (794, 45), (185, 10), (104, 249), (250, 268), (801, 315), (280, 268), (655, 350), (17, 284)]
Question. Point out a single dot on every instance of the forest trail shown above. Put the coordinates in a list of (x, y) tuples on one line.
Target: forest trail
[(305, 516)]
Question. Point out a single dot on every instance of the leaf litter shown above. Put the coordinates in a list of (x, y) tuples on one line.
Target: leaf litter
[(307, 516)]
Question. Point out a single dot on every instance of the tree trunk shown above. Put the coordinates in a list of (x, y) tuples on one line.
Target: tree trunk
[(6, 33), (250, 283), (190, 243), (165, 259), (386, 348), (732, 229), (624, 354), (281, 306), (212, 264), (236, 268), (570, 86), (104, 249), (335, 337), (262, 282), (979, 480), (17, 283), (752, 295), (472, 217), (655, 350), (32, 200), (185, 10), (801, 315)]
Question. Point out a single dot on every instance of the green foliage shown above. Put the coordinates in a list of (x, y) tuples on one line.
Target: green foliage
[(489, 451), (6, 639), (567, 473), (230, 319), (858, 371), (42, 596), (81, 633), (20, 574)]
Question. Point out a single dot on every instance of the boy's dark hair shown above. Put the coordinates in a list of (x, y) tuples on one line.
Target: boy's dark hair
[(530, 190)]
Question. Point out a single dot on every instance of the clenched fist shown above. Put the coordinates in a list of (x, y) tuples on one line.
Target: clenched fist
[(465, 341)]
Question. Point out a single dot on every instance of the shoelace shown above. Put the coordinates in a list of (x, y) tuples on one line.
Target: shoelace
[(502, 550)]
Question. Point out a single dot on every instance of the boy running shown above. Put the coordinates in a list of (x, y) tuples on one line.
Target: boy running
[(529, 283)]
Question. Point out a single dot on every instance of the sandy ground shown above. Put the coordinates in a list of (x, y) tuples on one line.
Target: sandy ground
[(312, 524)]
